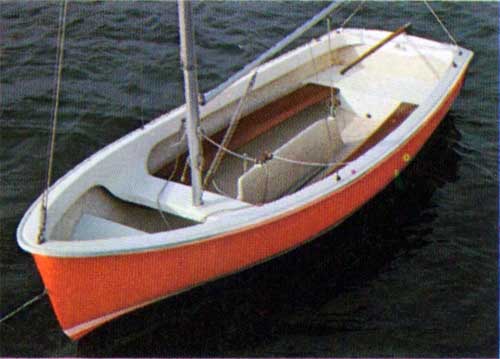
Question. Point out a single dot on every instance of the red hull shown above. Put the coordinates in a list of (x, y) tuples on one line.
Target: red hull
[(87, 292)]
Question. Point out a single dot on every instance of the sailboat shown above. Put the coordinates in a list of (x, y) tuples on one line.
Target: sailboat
[(281, 152)]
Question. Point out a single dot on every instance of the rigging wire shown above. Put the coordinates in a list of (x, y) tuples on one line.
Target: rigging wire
[(52, 142), (228, 136), (440, 22), (332, 95), (352, 14), (141, 81)]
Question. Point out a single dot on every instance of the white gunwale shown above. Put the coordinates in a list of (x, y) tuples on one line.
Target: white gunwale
[(242, 216)]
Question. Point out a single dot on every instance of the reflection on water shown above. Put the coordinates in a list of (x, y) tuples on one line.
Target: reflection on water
[(292, 294)]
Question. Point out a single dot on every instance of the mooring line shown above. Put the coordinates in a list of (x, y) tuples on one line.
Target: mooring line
[(24, 306), (61, 33)]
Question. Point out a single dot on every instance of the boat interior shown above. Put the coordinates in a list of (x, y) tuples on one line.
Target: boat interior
[(314, 114)]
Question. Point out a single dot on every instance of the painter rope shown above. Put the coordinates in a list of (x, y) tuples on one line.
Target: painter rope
[(440, 22), (52, 142), (24, 306)]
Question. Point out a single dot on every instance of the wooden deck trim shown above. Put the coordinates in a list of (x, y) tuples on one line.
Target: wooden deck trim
[(376, 47), (267, 117)]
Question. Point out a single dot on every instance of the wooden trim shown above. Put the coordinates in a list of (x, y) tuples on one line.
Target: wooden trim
[(397, 117), (375, 48), (258, 122)]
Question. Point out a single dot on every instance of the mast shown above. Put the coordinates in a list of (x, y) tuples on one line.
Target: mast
[(188, 60)]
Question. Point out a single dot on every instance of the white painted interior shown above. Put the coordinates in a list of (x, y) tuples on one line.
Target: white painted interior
[(266, 182), (409, 69)]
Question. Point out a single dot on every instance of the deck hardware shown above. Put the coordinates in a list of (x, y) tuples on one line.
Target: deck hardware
[(263, 158)]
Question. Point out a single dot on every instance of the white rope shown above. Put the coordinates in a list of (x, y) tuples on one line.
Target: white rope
[(440, 22), (235, 154), (273, 156), (316, 71), (218, 189), (52, 143), (158, 204), (307, 163)]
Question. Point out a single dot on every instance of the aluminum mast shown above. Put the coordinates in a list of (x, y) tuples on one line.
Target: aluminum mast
[(188, 59)]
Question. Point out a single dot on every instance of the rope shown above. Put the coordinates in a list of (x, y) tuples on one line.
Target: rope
[(353, 14), (218, 189), (51, 146), (245, 164), (141, 81), (158, 203), (24, 306), (182, 130), (273, 156), (235, 154), (332, 95), (440, 22), (329, 132), (307, 163), (266, 183), (316, 71), (230, 132), (185, 170)]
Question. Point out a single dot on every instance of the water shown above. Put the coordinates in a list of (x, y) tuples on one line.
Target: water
[(414, 273)]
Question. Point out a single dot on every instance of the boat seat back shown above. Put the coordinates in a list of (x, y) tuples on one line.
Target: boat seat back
[(274, 178)]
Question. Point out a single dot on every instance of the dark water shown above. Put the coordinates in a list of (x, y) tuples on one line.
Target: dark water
[(414, 273)]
